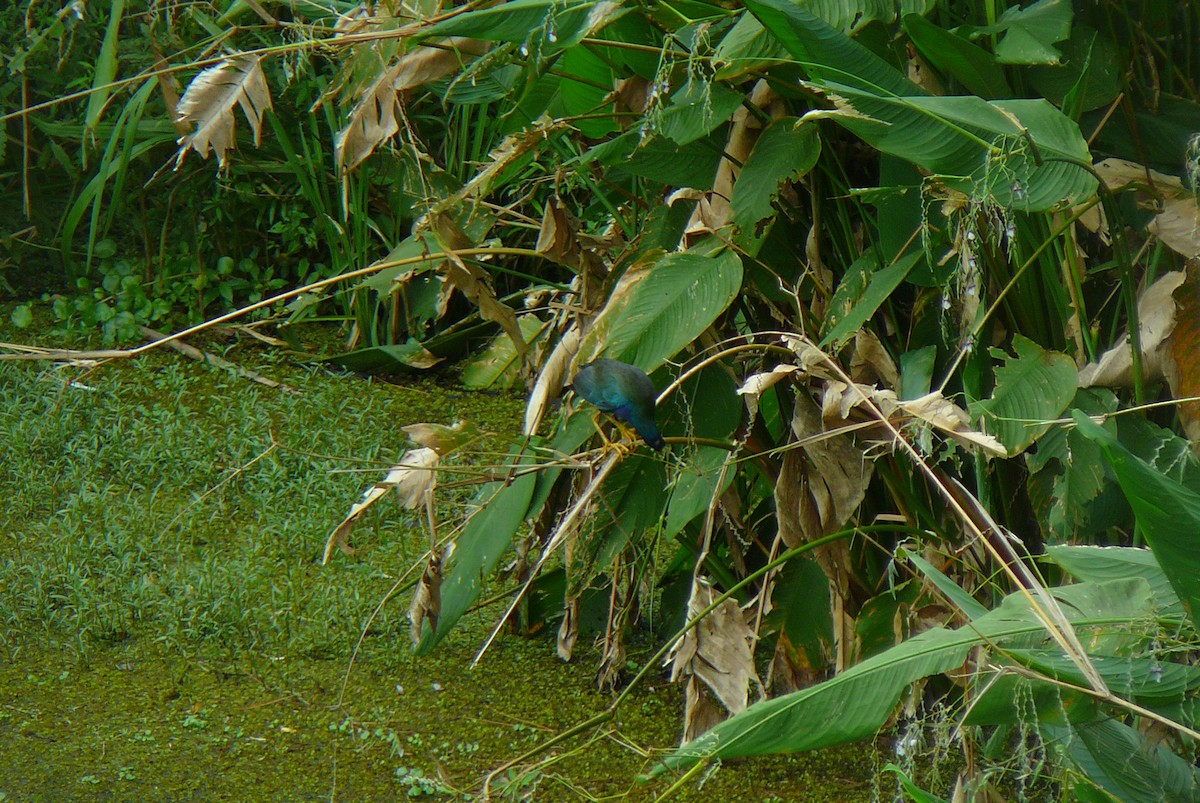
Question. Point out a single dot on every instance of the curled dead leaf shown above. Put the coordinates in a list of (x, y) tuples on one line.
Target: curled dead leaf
[(209, 102), (414, 479), (1156, 321), (719, 653), (427, 600)]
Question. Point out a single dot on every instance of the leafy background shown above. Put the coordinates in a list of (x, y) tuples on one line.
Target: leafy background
[(915, 280)]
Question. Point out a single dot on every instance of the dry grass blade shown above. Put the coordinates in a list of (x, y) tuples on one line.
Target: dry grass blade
[(202, 356)]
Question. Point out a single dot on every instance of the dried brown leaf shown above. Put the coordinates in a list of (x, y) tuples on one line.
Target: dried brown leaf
[(1156, 321), (375, 117), (414, 479), (1177, 222), (757, 384), (1182, 362), (208, 104), (820, 486), (556, 238), (472, 282), (551, 380), (441, 438), (427, 600), (568, 631), (719, 651)]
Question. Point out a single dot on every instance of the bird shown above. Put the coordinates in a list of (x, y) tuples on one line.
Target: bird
[(623, 390)]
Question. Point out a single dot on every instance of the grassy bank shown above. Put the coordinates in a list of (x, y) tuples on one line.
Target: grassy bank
[(168, 632)]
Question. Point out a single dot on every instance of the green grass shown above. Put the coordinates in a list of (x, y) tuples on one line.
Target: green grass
[(166, 630)]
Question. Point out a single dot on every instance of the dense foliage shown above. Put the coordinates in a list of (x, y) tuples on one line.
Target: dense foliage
[(914, 277)]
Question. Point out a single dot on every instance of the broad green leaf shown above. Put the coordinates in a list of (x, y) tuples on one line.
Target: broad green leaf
[(544, 25), (1159, 685), (783, 153), (1120, 760), (915, 793), (950, 589), (498, 365), (105, 66), (659, 159), (696, 487), (975, 68), (696, 109), (630, 503), (22, 316), (1168, 514), (659, 308), (1032, 389), (500, 509), (978, 147), (746, 48), (825, 52), (584, 99), (1098, 564), (916, 372), (386, 358), (852, 15), (1159, 447), (856, 703), (882, 622), (802, 612), (1090, 75), (851, 308), (1031, 32), (1081, 473)]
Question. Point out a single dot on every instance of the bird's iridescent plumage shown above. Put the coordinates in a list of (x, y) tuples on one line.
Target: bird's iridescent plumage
[(623, 390)]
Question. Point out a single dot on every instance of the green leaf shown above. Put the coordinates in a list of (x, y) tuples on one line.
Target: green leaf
[(106, 66), (584, 99), (783, 153), (1032, 389), (696, 109), (1159, 685), (1168, 514), (950, 589), (916, 793), (659, 308), (696, 487), (975, 68), (632, 497), (851, 307), (498, 366), (802, 612), (979, 147), (661, 160), (1088, 78), (1120, 760), (1098, 564), (825, 52), (747, 47), (500, 510), (1082, 474), (1031, 32), (544, 25), (856, 704), (383, 358), (22, 316)]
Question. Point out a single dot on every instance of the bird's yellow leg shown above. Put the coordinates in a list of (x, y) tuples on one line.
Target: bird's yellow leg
[(624, 445)]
